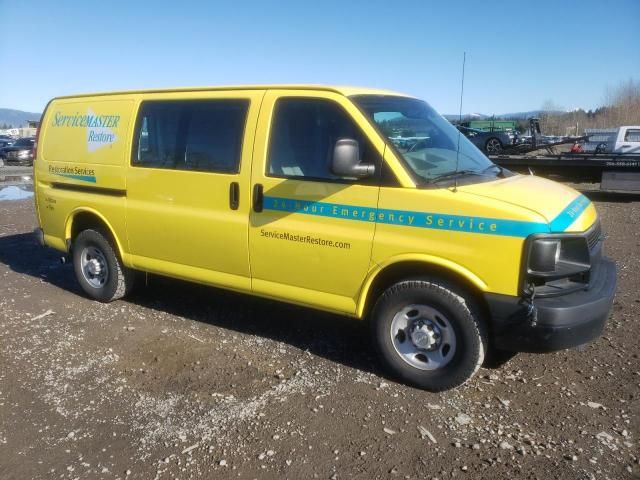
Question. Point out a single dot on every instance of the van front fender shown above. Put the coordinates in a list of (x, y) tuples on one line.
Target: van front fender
[(427, 262)]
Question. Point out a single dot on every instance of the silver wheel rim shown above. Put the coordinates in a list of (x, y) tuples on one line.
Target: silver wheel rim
[(423, 337), (493, 146), (95, 269)]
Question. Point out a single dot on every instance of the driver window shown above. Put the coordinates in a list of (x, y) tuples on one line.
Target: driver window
[(303, 134)]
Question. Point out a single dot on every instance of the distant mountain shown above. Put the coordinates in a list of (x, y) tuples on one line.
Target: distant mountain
[(465, 116), (531, 113), (16, 118), (510, 116)]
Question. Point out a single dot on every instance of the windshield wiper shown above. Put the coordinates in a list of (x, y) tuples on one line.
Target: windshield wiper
[(455, 173)]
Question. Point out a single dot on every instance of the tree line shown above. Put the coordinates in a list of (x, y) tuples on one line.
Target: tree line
[(621, 106)]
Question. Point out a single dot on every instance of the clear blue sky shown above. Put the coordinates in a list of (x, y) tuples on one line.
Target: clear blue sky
[(519, 53)]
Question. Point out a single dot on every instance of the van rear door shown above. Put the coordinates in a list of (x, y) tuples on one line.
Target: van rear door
[(188, 185)]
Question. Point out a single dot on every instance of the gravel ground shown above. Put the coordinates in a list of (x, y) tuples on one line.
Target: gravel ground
[(183, 381)]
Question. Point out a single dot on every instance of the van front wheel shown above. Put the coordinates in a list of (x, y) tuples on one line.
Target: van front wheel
[(428, 334), (98, 268)]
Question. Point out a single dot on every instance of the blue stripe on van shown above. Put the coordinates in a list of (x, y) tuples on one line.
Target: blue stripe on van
[(436, 221), (569, 214), (84, 178)]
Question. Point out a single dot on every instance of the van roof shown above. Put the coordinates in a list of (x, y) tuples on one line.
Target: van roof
[(344, 90)]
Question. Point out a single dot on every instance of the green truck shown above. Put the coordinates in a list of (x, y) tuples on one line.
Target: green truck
[(491, 125)]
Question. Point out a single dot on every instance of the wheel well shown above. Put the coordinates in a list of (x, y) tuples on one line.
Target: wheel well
[(88, 220), (404, 270)]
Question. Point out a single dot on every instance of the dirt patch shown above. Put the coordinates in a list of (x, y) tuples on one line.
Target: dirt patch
[(183, 381)]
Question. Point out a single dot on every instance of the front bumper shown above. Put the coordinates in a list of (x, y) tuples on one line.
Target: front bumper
[(18, 157), (19, 161), (561, 322)]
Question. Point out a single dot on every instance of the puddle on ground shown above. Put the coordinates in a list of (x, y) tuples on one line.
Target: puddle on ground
[(14, 192)]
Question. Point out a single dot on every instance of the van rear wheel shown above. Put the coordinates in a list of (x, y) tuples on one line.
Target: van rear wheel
[(428, 335), (98, 268)]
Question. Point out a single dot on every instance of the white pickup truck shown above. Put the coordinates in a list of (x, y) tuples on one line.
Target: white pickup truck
[(613, 140)]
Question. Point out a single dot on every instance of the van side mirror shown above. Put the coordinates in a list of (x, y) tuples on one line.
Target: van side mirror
[(346, 160)]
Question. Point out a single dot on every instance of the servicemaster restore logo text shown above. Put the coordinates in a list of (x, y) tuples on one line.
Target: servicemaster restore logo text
[(82, 121), (100, 128)]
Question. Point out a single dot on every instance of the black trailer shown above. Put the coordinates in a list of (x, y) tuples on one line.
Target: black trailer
[(614, 172)]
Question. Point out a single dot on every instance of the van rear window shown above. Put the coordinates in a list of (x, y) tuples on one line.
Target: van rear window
[(202, 135)]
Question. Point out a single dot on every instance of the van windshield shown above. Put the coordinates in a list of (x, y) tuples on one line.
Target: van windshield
[(431, 146)]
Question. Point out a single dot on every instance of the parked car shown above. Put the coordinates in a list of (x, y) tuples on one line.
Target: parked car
[(488, 142), (6, 141), (20, 153)]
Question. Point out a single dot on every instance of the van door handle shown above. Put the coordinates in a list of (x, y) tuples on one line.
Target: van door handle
[(257, 197), (234, 195)]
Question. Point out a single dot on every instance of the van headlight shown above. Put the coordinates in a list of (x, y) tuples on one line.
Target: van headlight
[(556, 263)]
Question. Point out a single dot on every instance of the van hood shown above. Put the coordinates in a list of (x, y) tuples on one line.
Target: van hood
[(563, 208)]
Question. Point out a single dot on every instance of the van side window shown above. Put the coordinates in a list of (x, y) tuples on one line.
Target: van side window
[(303, 135), (632, 135), (202, 135)]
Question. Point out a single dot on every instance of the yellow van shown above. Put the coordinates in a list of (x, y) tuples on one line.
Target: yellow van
[(361, 202)]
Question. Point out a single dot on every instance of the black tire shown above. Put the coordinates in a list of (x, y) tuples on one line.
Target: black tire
[(493, 145), (461, 314), (119, 279)]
